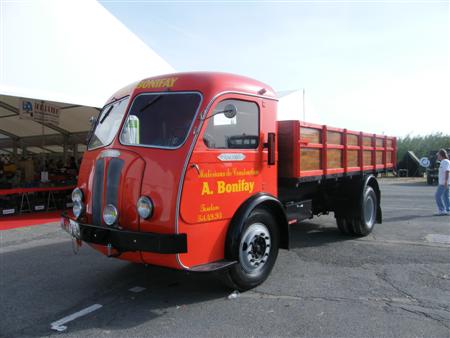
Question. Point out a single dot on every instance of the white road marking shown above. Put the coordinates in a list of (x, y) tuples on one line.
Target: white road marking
[(137, 289), (59, 324), (438, 238)]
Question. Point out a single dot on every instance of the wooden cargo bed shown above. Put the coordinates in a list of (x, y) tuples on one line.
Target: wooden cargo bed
[(308, 150)]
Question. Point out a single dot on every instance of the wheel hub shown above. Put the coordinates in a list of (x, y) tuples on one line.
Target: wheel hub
[(255, 247)]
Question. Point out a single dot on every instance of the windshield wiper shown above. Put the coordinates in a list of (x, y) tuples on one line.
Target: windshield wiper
[(106, 114), (150, 103)]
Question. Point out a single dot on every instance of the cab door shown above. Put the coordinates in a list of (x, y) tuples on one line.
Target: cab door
[(228, 166)]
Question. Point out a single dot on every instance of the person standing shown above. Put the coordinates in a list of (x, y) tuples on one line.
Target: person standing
[(442, 192)]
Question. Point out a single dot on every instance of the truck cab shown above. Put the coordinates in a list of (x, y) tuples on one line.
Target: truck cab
[(169, 163)]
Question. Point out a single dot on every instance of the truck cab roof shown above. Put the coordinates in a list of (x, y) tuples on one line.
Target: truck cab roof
[(208, 83)]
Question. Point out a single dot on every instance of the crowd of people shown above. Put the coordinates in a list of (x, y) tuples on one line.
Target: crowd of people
[(35, 171)]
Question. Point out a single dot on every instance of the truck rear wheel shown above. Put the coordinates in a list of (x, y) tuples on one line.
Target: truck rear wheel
[(363, 225), (344, 225), (257, 251)]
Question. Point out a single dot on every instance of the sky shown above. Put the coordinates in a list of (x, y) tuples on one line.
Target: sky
[(376, 66)]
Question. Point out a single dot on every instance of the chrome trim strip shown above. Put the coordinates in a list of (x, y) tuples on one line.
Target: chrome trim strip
[(109, 153), (191, 150)]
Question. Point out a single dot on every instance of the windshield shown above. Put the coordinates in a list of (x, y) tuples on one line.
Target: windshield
[(160, 120), (108, 124)]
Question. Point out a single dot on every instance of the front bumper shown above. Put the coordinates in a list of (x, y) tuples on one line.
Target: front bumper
[(124, 241)]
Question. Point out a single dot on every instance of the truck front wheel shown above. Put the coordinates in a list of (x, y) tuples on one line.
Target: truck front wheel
[(257, 251)]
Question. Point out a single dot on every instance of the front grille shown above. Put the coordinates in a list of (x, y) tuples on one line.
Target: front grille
[(113, 172), (97, 192), (112, 181)]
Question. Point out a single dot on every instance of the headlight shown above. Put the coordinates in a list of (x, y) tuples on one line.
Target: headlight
[(110, 214), (77, 195), (144, 207), (78, 208)]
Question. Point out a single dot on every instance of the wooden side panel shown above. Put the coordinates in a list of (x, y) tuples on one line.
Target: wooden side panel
[(334, 159), (367, 141), (334, 137), (379, 157), (310, 134), (310, 159), (353, 158), (389, 157), (307, 149), (352, 140), (367, 157)]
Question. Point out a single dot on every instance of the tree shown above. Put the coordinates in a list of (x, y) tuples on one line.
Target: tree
[(422, 145)]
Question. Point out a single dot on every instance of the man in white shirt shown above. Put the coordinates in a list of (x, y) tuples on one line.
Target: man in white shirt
[(442, 192)]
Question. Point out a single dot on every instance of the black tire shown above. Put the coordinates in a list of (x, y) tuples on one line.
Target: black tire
[(344, 225), (364, 225), (256, 253)]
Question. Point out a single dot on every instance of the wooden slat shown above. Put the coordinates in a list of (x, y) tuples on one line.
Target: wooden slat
[(334, 137), (352, 158), (379, 157), (367, 157), (334, 159), (352, 140), (390, 157), (310, 134), (367, 142), (380, 142), (310, 159)]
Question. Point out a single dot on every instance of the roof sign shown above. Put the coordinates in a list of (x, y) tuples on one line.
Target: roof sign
[(38, 111)]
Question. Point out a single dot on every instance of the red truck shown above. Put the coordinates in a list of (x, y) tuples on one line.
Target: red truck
[(193, 171)]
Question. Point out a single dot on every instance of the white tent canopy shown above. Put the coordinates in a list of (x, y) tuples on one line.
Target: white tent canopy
[(72, 54), (294, 105)]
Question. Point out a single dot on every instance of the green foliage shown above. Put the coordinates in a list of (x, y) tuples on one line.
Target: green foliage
[(422, 145)]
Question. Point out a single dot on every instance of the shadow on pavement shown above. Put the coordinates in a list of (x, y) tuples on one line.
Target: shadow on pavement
[(406, 218), (308, 234)]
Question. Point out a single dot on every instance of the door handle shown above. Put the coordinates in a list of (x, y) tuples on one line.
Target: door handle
[(196, 167)]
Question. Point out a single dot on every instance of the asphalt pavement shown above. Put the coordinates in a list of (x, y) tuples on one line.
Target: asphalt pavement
[(392, 283)]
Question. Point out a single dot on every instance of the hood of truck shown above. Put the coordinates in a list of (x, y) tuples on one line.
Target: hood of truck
[(112, 176), (120, 175)]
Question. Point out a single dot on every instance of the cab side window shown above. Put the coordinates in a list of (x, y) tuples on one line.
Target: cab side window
[(238, 132)]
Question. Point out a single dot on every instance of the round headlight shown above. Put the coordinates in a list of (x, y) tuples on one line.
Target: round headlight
[(144, 207), (110, 214), (77, 195), (78, 208)]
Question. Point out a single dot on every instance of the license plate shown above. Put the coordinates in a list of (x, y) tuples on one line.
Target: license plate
[(74, 229), (8, 211)]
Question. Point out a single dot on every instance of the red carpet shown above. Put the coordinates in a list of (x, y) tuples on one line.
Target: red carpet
[(26, 220)]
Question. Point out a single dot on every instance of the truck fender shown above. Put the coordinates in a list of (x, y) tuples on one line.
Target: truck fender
[(372, 182), (270, 203)]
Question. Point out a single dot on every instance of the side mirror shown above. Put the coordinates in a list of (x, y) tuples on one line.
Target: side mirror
[(230, 111)]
